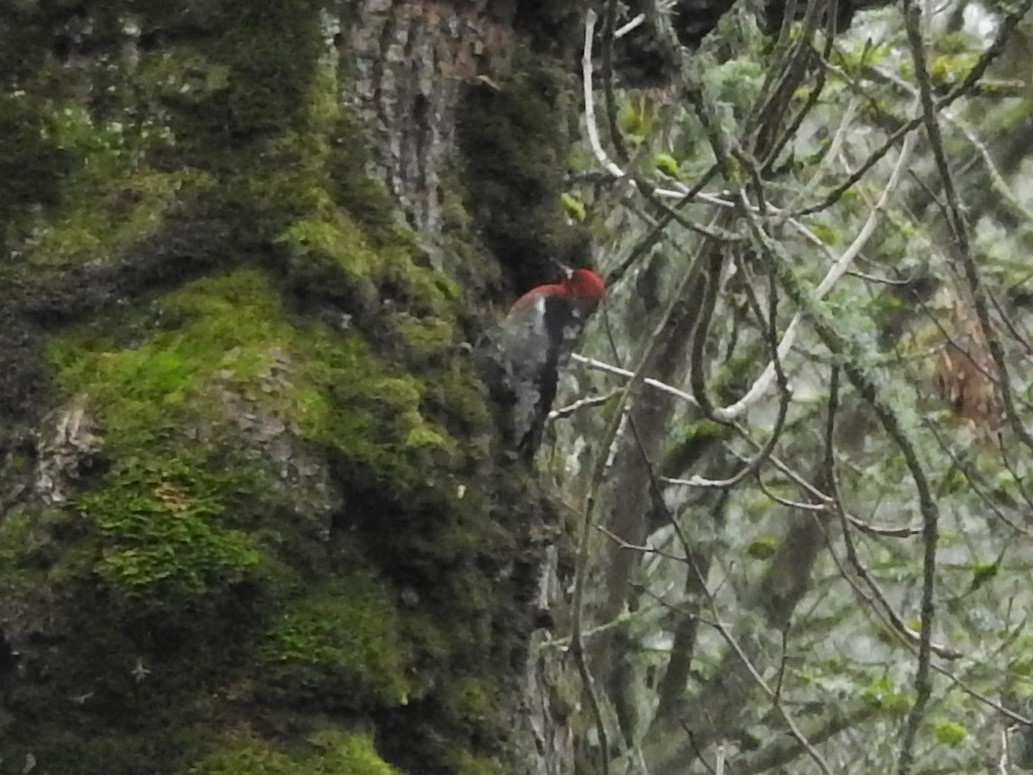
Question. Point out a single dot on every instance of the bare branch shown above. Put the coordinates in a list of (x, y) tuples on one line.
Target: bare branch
[(832, 276)]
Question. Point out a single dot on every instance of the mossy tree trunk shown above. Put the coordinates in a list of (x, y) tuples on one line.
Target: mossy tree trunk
[(254, 516)]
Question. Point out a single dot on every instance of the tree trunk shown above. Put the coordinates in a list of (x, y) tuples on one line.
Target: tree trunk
[(254, 515)]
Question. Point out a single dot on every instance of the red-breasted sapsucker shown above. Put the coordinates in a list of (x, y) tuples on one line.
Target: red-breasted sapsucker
[(532, 345)]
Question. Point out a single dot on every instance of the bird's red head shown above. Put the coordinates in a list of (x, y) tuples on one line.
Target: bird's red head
[(585, 289)]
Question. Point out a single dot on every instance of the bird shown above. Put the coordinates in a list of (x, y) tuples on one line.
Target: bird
[(531, 346)]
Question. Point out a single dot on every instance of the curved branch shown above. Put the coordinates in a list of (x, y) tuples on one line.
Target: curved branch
[(832, 276)]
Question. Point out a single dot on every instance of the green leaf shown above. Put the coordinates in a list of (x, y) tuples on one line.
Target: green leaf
[(826, 233), (667, 165), (982, 572), (949, 732), (575, 207), (883, 694), (762, 548)]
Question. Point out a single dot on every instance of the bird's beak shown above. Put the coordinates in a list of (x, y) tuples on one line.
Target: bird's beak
[(566, 271)]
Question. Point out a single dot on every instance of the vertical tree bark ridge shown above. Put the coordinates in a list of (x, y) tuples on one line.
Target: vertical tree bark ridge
[(410, 61)]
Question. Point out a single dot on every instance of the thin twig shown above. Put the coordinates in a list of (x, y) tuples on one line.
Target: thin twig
[(832, 276), (610, 98), (590, 122), (635, 23), (844, 348), (959, 225), (968, 84), (794, 730), (582, 403), (581, 573), (607, 368)]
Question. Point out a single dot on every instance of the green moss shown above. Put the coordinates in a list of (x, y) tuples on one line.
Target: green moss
[(148, 385), (174, 388), (186, 577), (28, 548), (325, 752), (340, 647), (247, 116), (332, 256), (455, 391), (33, 164), (109, 197), (67, 750), (250, 82), (426, 339), (337, 239), (162, 531), (514, 142), (460, 761), (454, 215), (180, 72), (184, 569), (373, 419), (120, 666), (108, 215), (353, 189), (430, 640), (227, 336), (470, 700)]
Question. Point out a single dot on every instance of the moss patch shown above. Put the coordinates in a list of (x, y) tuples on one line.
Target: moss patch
[(163, 534), (69, 749), (460, 761), (230, 335), (324, 752), (339, 647), (32, 163), (108, 215), (471, 701), (407, 310), (514, 140), (176, 388)]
